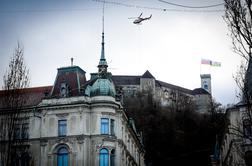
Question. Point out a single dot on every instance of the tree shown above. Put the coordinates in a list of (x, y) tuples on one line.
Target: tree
[(175, 134), (238, 16), (12, 117)]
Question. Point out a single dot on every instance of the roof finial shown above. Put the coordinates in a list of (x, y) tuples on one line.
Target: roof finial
[(72, 61), (103, 17)]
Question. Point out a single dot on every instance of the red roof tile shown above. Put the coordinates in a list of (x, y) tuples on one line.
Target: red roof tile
[(32, 95)]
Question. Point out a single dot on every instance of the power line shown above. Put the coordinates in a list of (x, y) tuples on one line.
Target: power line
[(194, 7), (158, 8), (42, 10), (117, 4)]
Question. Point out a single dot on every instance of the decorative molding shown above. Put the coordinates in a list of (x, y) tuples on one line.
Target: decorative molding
[(43, 142), (80, 139), (108, 113), (44, 112), (62, 140), (62, 115), (121, 143)]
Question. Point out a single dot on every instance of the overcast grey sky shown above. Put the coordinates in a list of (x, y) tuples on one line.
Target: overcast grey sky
[(170, 45)]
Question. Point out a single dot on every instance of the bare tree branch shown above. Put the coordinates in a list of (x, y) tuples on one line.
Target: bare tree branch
[(238, 18), (12, 119)]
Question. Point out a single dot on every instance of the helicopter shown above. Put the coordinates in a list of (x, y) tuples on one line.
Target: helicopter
[(139, 19)]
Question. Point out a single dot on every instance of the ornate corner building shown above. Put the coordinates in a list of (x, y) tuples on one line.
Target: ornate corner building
[(84, 130), (77, 122)]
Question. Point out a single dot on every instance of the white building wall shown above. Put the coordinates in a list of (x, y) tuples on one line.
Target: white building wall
[(83, 139), (234, 147)]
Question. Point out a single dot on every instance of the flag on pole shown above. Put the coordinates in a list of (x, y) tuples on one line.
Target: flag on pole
[(216, 64), (205, 61), (210, 62)]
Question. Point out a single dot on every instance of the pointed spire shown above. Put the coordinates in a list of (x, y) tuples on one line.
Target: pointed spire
[(102, 63)]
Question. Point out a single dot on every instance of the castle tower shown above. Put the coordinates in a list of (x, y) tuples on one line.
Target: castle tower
[(206, 82), (147, 82)]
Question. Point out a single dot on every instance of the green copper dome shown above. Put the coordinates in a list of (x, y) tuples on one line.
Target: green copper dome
[(102, 87)]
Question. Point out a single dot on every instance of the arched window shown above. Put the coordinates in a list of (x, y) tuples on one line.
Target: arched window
[(205, 86), (62, 157), (104, 157)]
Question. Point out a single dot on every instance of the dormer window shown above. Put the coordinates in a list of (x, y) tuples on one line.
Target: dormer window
[(64, 90)]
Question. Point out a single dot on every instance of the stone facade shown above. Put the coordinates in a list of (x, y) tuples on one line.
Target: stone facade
[(83, 139)]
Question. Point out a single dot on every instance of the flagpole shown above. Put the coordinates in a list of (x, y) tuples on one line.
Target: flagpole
[(200, 67)]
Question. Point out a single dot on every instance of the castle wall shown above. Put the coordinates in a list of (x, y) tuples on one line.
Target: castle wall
[(163, 95), (203, 102)]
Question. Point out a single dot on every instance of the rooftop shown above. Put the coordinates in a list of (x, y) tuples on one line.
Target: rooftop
[(32, 95)]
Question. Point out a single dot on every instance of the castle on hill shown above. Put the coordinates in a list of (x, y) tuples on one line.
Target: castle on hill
[(163, 93)]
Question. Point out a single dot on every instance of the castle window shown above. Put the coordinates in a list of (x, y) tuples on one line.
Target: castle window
[(62, 157), (104, 157), (62, 128), (104, 126), (205, 86), (166, 94)]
